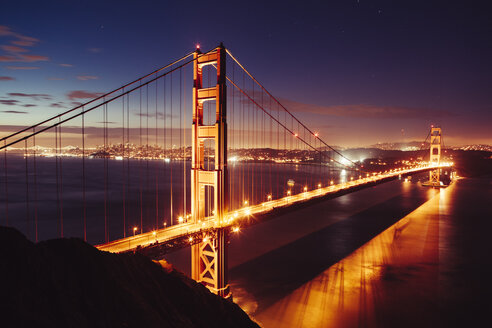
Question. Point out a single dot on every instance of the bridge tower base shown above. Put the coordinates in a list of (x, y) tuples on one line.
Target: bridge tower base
[(209, 257)]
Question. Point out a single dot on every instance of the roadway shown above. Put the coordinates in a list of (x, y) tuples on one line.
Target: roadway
[(234, 217)]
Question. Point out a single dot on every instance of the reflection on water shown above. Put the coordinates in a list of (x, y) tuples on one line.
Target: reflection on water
[(351, 292), (411, 274)]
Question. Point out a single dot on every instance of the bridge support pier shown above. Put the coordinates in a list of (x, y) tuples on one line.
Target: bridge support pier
[(209, 263), (209, 257)]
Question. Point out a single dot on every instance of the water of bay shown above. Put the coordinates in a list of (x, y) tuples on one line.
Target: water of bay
[(115, 196)]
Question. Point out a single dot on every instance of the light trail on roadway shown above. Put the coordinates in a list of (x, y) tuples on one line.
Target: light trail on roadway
[(234, 218)]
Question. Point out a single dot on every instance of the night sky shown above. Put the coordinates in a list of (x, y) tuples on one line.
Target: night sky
[(360, 72)]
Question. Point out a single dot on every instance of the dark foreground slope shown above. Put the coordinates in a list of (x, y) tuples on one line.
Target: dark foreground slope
[(68, 283)]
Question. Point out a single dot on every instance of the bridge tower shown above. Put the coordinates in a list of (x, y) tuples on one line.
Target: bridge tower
[(209, 257), (435, 156)]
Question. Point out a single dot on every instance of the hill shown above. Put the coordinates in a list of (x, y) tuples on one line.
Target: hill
[(69, 283)]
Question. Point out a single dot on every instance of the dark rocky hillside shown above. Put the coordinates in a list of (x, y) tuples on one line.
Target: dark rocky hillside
[(68, 283)]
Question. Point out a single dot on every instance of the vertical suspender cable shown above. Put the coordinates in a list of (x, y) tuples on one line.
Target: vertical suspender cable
[(184, 144), (208, 151), (249, 146), (233, 126), (147, 157), (278, 148), (171, 156), (28, 225), (230, 144), (123, 149), (84, 207), (35, 188), (164, 136), (243, 148), (156, 166), (6, 184), (181, 115), (262, 146), (270, 145), (61, 179), (128, 148), (252, 119), (57, 183), (140, 163), (105, 172)]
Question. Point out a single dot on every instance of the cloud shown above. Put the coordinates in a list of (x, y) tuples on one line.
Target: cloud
[(24, 43), (57, 105), (81, 94), (35, 96), (21, 58), (66, 65), (7, 58), (29, 105), (13, 49), (4, 30), (87, 77), (14, 112), (363, 110), (55, 78), (160, 116), (6, 78), (9, 102), (32, 58), (22, 40), (94, 50), (21, 67)]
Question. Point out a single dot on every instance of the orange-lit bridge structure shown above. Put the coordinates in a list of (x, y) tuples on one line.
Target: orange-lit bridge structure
[(189, 231), (153, 164)]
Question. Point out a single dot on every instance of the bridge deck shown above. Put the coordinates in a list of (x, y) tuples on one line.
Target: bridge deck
[(187, 228)]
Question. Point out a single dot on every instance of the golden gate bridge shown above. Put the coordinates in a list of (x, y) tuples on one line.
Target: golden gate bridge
[(126, 171)]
